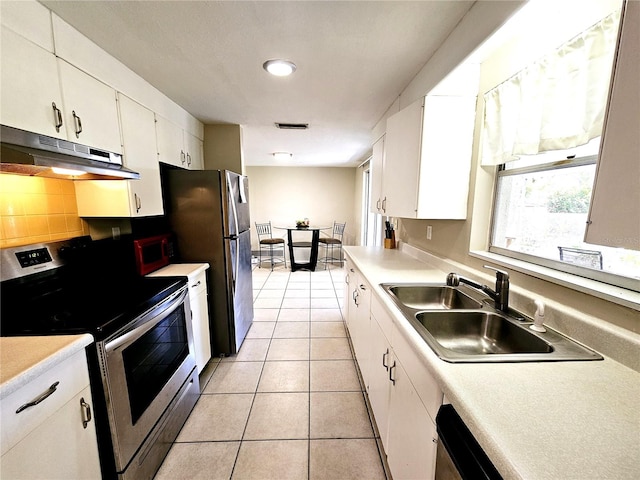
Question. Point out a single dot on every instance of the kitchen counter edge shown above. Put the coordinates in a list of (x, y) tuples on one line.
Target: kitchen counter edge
[(24, 358)]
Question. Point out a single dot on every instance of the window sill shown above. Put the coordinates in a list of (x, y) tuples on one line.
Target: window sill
[(611, 293)]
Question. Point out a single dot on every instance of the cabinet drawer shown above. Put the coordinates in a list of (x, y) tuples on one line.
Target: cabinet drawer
[(198, 284), (59, 448), (73, 377), (382, 316), (428, 389)]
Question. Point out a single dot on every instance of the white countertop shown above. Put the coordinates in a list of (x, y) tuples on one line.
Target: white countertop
[(24, 358), (190, 270), (545, 420)]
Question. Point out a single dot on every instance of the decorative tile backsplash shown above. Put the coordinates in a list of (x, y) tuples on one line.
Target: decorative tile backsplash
[(35, 209)]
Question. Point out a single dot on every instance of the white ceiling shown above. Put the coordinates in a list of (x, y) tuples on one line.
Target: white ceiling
[(353, 59)]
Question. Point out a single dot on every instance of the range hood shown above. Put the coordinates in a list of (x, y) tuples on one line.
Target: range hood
[(27, 153)]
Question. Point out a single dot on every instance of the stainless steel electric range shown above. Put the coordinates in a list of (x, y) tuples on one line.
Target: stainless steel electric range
[(143, 377)]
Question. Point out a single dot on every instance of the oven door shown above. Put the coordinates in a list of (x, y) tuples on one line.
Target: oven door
[(143, 366)]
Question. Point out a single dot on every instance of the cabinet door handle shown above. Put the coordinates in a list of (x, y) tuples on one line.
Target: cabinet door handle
[(384, 205), (182, 157), (188, 159), (346, 279), (391, 379), (78, 124), (384, 360), (355, 297), (86, 412), (39, 398), (378, 205), (362, 287), (138, 202), (196, 284), (57, 114)]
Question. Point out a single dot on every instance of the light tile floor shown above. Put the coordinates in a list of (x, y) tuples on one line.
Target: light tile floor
[(289, 405)]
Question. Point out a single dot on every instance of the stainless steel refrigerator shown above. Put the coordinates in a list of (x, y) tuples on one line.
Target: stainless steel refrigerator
[(208, 211)]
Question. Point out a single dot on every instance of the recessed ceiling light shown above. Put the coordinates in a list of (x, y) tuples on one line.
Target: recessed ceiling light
[(279, 68), (282, 156)]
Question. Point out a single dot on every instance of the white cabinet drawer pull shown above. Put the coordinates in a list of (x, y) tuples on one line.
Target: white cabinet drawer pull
[(86, 412), (391, 379), (196, 284), (39, 399), (78, 123), (384, 360), (58, 116)]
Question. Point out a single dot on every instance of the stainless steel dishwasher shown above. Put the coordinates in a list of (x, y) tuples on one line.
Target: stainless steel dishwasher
[(459, 456)]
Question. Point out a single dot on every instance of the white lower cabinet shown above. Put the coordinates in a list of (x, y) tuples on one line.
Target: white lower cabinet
[(200, 319), (56, 438), (412, 436), (406, 429), (358, 319), (403, 395), (379, 388), (196, 274)]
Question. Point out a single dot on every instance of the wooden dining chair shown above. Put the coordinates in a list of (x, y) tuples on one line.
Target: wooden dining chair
[(270, 245), (332, 243)]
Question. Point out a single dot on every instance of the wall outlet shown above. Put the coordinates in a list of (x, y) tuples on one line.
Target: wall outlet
[(115, 233), (429, 231)]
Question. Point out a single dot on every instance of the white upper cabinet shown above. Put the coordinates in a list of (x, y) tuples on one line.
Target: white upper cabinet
[(139, 142), (427, 158), (130, 198), (195, 151), (30, 20), (170, 139), (46, 95), (614, 218), (402, 161), (90, 110), (30, 94), (178, 147)]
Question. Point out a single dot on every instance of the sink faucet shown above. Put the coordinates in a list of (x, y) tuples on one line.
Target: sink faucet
[(501, 294)]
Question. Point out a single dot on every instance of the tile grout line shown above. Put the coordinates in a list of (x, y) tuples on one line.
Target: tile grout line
[(244, 430)]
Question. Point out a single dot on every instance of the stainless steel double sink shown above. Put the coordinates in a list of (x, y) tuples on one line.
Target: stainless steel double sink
[(462, 327)]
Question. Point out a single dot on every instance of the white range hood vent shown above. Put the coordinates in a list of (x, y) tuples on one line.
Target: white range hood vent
[(27, 153)]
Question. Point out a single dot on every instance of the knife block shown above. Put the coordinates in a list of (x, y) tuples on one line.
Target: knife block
[(390, 242)]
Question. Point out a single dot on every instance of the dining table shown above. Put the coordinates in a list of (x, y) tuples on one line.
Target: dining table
[(313, 245)]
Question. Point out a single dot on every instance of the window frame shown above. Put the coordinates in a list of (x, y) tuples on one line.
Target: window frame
[(502, 170)]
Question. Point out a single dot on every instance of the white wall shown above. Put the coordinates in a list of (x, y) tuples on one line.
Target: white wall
[(283, 195)]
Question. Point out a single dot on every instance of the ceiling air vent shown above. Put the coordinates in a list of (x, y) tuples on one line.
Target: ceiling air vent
[(292, 126)]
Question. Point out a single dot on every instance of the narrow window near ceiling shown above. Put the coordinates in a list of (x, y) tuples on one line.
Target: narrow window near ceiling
[(542, 129)]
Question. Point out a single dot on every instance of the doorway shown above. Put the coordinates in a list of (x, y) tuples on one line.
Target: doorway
[(371, 222)]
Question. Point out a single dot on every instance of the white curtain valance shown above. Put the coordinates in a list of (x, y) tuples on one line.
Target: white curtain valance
[(556, 103)]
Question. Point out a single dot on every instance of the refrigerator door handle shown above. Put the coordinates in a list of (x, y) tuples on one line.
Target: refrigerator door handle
[(234, 213), (237, 265)]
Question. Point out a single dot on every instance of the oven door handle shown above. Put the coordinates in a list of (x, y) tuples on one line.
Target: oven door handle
[(142, 325)]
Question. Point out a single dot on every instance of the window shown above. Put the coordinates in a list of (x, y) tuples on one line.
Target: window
[(371, 222), (540, 212), (542, 192)]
